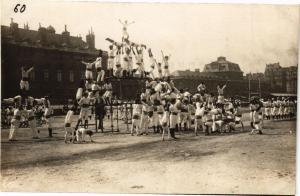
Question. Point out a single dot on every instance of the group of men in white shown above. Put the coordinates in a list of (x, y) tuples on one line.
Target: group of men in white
[(160, 105), (25, 108)]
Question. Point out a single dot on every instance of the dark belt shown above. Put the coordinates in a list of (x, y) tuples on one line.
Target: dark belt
[(30, 118), (111, 57), (174, 113), (166, 66), (209, 120), (192, 114), (198, 117), (135, 116), (184, 110), (47, 116), (229, 120), (25, 79), (118, 65), (88, 69), (68, 125), (98, 68), (85, 105), (159, 112)]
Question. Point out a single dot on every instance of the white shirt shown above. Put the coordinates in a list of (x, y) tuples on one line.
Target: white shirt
[(95, 87), (89, 65), (139, 58), (48, 112), (69, 116), (98, 62), (152, 61), (111, 53), (84, 100), (137, 108), (25, 74), (221, 90)]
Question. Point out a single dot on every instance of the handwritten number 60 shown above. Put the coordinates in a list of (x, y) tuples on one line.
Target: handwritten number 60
[(22, 9)]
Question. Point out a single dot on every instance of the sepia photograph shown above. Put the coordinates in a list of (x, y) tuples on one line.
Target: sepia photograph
[(148, 97)]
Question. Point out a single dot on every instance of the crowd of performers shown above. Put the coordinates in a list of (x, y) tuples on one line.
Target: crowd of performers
[(160, 105), (167, 109)]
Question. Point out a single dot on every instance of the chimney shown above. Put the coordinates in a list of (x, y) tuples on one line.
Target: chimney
[(90, 39), (221, 58)]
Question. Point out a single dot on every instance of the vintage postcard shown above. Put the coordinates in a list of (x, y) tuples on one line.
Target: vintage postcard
[(160, 98)]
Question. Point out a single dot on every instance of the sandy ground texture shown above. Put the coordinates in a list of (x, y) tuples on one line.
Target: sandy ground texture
[(120, 163)]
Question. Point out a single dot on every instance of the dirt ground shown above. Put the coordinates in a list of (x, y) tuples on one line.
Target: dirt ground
[(120, 163)]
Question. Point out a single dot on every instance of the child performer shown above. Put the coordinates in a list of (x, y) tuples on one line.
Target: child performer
[(68, 125)]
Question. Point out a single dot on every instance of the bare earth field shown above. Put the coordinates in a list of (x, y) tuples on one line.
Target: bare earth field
[(121, 163)]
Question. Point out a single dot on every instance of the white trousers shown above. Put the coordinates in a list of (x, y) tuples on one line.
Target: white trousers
[(32, 125), (13, 128), (24, 85), (88, 74)]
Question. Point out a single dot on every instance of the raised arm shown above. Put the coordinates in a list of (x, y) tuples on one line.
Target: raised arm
[(163, 56), (29, 70), (130, 23), (121, 22)]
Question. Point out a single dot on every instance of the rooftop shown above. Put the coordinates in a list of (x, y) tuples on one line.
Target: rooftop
[(222, 65)]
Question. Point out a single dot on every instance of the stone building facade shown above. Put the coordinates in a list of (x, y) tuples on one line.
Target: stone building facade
[(56, 59), (281, 79)]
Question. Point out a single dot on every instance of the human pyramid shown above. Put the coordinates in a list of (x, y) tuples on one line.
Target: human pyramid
[(160, 105), (25, 106)]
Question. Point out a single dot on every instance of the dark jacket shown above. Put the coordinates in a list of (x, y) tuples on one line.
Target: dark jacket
[(100, 107)]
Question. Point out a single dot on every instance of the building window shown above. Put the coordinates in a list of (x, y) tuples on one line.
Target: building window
[(71, 76), (59, 75), (32, 75), (46, 75)]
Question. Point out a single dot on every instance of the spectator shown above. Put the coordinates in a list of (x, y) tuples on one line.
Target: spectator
[(100, 111)]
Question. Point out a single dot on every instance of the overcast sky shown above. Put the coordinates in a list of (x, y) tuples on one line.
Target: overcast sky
[(194, 34)]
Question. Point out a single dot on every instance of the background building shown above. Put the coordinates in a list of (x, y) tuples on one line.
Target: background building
[(276, 79), (56, 59), (223, 68), (281, 79)]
